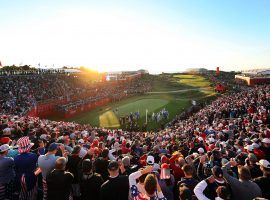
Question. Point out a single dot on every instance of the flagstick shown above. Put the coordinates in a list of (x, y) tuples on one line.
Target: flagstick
[(146, 116)]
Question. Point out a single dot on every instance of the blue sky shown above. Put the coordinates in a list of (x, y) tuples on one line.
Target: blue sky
[(159, 35)]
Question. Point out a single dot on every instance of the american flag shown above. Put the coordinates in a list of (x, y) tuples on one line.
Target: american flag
[(136, 195)]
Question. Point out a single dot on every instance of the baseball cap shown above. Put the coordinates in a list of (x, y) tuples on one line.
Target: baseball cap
[(150, 160), (53, 146), (255, 145), (4, 148), (201, 150), (113, 165), (43, 137), (264, 163), (217, 172), (249, 147), (246, 140), (81, 141)]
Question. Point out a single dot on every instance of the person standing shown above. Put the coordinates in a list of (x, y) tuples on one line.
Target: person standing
[(72, 166), (25, 166), (59, 181), (101, 164), (189, 179), (116, 187), (7, 173), (264, 181), (47, 163), (90, 182), (243, 188), (206, 189)]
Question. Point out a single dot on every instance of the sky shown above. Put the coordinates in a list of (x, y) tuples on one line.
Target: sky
[(157, 35)]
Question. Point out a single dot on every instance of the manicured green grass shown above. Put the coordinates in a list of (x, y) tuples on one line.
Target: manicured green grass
[(188, 80), (175, 102), (110, 118)]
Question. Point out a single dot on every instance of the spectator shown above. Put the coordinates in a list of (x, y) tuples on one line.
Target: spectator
[(188, 180), (151, 185), (264, 181), (206, 189), (47, 163), (243, 188), (59, 181), (116, 187), (101, 164), (185, 193), (223, 193), (25, 166), (254, 169), (72, 166), (126, 165), (176, 163), (167, 182), (7, 173), (90, 182)]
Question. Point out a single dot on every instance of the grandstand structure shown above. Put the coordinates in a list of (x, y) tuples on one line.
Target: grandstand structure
[(124, 75), (254, 77)]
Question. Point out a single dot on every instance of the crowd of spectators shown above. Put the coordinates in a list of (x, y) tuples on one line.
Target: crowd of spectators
[(20, 93), (113, 91), (220, 152)]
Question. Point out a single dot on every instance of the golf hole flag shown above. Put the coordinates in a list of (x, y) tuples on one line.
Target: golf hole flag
[(165, 171)]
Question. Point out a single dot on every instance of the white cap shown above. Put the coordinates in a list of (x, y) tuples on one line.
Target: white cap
[(85, 133), (249, 147), (266, 140), (264, 163), (255, 145), (81, 141), (43, 137), (150, 160), (4, 148), (201, 150)]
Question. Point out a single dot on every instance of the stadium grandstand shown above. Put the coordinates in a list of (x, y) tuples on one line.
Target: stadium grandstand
[(255, 76), (221, 150)]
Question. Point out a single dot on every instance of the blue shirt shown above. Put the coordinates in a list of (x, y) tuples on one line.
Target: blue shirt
[(26, 163), (7, 172), (46, 164)]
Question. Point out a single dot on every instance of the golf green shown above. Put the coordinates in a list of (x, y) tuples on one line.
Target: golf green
[(110, 117)]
